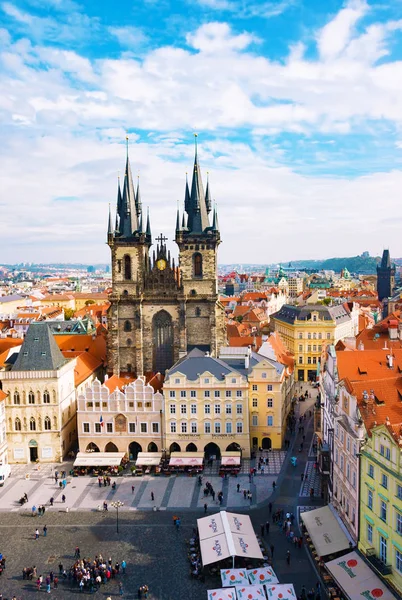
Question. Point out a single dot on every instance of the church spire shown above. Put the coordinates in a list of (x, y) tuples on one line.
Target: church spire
[(110, 227), (187, 201), (128, 214), (178, 219), (208, 199), (215, 224), (197, 211), (148, 231), (138, 201), (119, 207)]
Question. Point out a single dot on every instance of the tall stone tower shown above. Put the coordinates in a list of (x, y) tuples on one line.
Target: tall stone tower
[(385, 276), (160, 311)]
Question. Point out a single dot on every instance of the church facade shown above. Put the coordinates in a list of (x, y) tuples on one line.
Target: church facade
[(159, 310)]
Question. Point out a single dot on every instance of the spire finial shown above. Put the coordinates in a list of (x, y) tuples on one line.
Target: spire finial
[(127, 145), (195, 142)]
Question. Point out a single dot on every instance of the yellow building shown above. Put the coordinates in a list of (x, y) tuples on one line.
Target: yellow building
[(381, 503), (305, 329), (206, 407)]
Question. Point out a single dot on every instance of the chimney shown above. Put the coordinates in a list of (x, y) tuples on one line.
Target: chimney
[(392, 332), (106, 377), (390, 359), (247, 358), (400, 330)]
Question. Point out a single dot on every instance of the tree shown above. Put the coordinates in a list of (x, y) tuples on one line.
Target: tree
[(88, 302), (68, 313), (327, 301)]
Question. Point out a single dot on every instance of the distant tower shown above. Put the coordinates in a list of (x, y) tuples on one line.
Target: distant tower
[(385, 276)]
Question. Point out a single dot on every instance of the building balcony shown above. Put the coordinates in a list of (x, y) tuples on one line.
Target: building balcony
[(377, 563)]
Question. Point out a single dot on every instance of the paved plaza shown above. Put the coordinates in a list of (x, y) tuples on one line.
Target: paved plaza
[(155, 552)]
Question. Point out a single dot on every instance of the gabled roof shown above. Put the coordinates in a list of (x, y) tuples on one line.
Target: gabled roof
[(39, 351), (196, 363)]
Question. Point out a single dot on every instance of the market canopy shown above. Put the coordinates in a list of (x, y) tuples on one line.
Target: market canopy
[(250, 592), (227, 534), (262, 575), (230, 458), (222, 594), (324, 530), (148, 459), (356, 578), (230, 577), (186, 459), (98, 459), (282, 591)]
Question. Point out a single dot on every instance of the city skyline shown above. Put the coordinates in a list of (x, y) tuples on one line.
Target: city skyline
[(295, 105)]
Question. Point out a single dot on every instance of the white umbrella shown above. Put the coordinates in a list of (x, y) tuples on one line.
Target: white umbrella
[(222, 594), (261, 576), (283, 591), (250, 592), (234, 577)]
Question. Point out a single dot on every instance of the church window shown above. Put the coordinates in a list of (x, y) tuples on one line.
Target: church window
[(17, 424), (162, 341), (127, 267), (197, 264), (31, 398), (46, 397), (197, 312), (32, 424), (48, 424), (125, 292), (17, 398), (127, 326), (193, 292)]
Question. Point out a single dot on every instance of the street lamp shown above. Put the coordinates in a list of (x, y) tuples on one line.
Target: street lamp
[(117, 505)]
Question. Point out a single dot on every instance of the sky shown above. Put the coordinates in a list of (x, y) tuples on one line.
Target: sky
[(297, 105)]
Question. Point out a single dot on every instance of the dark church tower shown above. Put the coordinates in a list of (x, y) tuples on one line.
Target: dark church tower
[(385, 276), (160, 311)]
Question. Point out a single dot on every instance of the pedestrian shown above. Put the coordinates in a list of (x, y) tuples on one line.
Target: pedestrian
[(272, 548), (250, 497), (26, 497), (55, 582), (34, 510), (205, 507), (302, 477), (36, 534), (123, 566), (51, 501), (270, 507), (48, 585), (132, 489), (245, 494), (77, 553), (45, 531), (288, 556), (120, 588), (262, 530), (61, 567), (63, 498), (267, 527), (178, 523), (238, 487), (273, 485), (152, 496)]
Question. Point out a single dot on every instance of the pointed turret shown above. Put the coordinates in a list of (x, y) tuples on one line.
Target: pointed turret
[(208, 198), (110, 227), (197, 212), (148, 231), (187, 201), (183, 221), (215, 224), (178, 220), (138, 202), (118, 207), (386, 260)]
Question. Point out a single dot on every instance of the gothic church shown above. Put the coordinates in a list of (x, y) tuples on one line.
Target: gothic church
[(160, 311)]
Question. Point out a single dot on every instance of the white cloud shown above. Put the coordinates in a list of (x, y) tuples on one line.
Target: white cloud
[(336, 35), (217, 37), (129, 36)]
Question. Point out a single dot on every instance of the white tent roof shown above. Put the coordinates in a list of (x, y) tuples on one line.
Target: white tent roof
[(324, 531), (356, 578), (230, 458), (186, 459), (222, 594), (250, 592), (227, 534), (148, 458), (98, 459), (281, 591)]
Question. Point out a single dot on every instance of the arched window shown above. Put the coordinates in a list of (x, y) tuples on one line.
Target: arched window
[(127, 326), (17, 424), (31, 398), (46, 397), (32, 424), (17, 398), (162, 341), (127, 267), (197, 312), (48, 424), (197, 264)]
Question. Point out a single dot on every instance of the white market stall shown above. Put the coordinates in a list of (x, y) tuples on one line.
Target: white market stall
[(230, 461), (227, 534), (186, 459), (148, 459), (282, 591), (326, 534), (250, 592), (261, 576), (356, 578), (98, 459), (222, 594), (232, 577)]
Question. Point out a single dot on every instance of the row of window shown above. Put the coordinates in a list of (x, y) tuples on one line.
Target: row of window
[(193, 427), (384, 512), (31, 397), (207, 394), (314, 336), (270, 402), (310, 360), (269, 387), (371, 472), (178, 381), (385, 452), (383, 548), (105, 405), (310, 348), (270, 421), (342, 463), (132, 428), (32, 424), (207, 409)]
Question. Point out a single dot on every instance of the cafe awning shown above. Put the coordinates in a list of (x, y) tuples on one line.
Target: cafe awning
[(148, 459), (98, 459), (227, 534), (356, 578), (186, 459), (324, 530), (230, 458)]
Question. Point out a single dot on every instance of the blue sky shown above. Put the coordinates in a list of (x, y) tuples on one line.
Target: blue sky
[(297, 106)]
